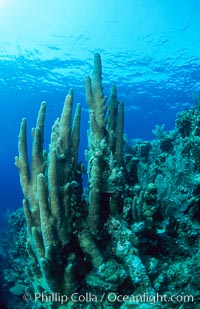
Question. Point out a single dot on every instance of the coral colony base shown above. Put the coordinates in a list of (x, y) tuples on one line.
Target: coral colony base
[(128, 240)]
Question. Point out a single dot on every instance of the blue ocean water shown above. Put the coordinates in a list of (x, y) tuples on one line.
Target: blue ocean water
[(150, 49)]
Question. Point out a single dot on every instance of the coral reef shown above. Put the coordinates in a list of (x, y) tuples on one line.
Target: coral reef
[(128, 240), (63, 229), (13, 260)]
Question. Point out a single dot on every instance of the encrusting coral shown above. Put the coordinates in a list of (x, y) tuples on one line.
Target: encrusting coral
[(140, 204)]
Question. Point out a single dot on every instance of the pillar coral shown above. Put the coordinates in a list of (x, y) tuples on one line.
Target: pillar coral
[(58, 226), (105, 155), (52, 192), (73, 239)]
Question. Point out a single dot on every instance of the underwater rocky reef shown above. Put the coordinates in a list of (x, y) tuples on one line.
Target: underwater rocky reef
[(130, 239)]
